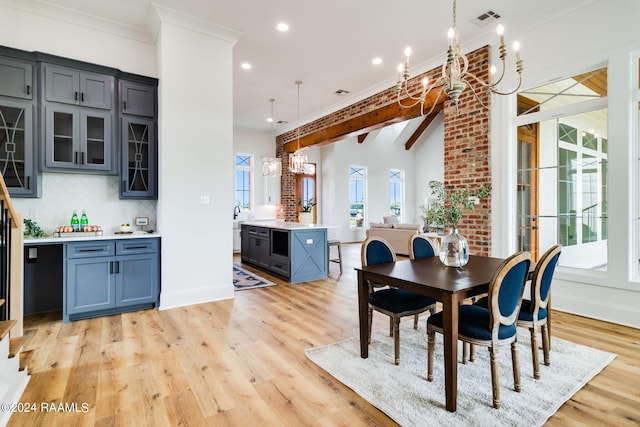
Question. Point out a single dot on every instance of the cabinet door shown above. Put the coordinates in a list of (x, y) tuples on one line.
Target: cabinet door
[(90, 284), (139, 161), (16, 147), (137, 279), (16, 79), (137, 99), (96, 90), (62, 85), (95, 140), (62, 132)]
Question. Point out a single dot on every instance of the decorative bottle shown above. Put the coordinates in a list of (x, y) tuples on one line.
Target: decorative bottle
[(74, 221), (84, 221)]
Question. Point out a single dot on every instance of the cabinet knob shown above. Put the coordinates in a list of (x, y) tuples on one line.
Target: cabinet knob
[(124, 105), (28, 89), (75, 95)]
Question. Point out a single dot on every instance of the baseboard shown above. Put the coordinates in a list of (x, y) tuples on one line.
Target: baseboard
[(176, 299), (600, 310)]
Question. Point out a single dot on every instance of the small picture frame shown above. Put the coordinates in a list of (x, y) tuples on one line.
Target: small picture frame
[(141, 220)]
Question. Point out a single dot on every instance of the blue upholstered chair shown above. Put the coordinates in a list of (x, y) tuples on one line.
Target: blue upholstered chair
[(493, 325), (395, 303), (534, 312), (421, 246)]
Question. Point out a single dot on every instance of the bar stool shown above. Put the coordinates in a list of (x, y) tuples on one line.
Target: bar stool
[(330, 243)]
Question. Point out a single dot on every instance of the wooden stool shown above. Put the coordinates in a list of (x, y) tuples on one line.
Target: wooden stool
[(338, 260)]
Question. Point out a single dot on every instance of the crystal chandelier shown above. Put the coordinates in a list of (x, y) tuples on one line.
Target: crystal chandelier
[(455, 77), (298, 160)]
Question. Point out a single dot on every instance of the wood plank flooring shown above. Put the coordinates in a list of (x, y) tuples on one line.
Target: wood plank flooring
[(241, 362)]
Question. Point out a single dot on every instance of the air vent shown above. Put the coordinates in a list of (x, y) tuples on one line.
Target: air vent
[(486, 18), (341, 92)]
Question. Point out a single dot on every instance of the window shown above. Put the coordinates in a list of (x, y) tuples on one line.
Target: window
[(396, 193), (244, 176), (357, 192), (562, 170)]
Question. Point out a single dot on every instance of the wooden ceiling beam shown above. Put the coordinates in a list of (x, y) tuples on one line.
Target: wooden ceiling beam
[(362, 137), (420, 130), (367, 122)]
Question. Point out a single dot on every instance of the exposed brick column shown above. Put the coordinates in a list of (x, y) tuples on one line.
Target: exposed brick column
[(467, 154), (466, 148)]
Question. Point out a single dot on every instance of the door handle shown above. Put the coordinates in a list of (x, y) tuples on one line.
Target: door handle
[(117, 263), (110, 267)]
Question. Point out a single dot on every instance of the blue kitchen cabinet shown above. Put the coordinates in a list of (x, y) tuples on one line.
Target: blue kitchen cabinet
[(110, 276)]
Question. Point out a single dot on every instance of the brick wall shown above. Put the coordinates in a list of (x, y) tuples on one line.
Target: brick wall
[(466, 148)]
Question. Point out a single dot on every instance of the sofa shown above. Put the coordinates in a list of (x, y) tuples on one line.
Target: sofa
[(396, 234)]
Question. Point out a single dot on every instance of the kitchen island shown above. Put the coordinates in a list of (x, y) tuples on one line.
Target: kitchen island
[(295, 252)]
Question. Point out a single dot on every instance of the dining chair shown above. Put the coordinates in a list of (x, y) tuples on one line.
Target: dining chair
[(421, 246), (395, 303), (493, 325), (535, 312)]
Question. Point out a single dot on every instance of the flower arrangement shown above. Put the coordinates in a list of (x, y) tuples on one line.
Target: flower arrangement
[(306, 206), (450, 204)]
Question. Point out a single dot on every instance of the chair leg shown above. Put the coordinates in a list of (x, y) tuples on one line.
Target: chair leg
[(390, 326), (396, 340), (431, 346), (370, 323), (546, 343), (495, 381), (516, 366), (472, 353), (415, 322), (465, 352), (340, 257), (534, 353)]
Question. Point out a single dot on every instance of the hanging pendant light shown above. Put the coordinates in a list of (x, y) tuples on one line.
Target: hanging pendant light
[(298, 160), (271, 166)]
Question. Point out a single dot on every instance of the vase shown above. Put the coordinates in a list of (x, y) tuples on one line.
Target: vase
[(454, 249), (305, 218)]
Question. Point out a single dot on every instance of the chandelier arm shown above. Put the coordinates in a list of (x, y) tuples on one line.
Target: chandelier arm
[(476, 96), (433, 106), (497, 92), (406, 93), (413, 104)]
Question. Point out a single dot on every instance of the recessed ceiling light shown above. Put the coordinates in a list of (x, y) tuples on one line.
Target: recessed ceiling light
[(245, 66), (283, 26), (376, 61)]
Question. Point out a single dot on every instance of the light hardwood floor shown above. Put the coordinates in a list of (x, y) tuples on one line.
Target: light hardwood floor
[(241, 362)]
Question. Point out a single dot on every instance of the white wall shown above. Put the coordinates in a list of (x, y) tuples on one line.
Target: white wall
[(196, 145), (563, 47)]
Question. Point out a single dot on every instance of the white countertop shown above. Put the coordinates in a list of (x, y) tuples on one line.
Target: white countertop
[(283, 225), (106, 236)]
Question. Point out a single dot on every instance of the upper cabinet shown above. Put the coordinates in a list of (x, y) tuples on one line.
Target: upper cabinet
[(16, 78), (70, 86), (137, 99), (139, 142), (18, 163), (80, 132)]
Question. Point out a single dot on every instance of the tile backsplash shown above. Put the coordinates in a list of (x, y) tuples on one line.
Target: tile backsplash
[(97, 195)]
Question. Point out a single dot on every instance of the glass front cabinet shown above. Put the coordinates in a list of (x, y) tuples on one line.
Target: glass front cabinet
[(17, 127), (139, 159)]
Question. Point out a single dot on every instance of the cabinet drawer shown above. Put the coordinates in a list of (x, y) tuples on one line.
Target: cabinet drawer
[(90, 249), (136, 246), (279, 265), (258, 231)]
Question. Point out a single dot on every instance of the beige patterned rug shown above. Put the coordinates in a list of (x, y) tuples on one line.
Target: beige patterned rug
[(404, 394), (245, 279)]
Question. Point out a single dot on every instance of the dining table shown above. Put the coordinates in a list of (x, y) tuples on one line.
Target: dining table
[(448, 285)]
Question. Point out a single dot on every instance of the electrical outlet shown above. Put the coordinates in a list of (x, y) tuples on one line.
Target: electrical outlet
[(204, 200)]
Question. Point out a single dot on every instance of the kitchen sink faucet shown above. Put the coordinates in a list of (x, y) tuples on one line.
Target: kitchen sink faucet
[(236, 212)]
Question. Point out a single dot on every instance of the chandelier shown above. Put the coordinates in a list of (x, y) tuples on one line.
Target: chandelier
[(455, 77), (298, 160), (271, 166)]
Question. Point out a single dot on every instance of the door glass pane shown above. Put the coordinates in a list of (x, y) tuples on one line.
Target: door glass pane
[(138, 156), (95, 141), (12, 150), (63, 137)]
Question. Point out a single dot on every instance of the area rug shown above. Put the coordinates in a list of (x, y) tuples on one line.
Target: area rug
[(404, 394), (245, 279)]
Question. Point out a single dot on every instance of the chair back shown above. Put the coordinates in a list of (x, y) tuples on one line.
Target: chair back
[(421, 246), (376, 250), (542, 276), (506, 290)]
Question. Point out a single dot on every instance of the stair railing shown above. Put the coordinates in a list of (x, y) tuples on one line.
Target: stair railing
[(11, 261)]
